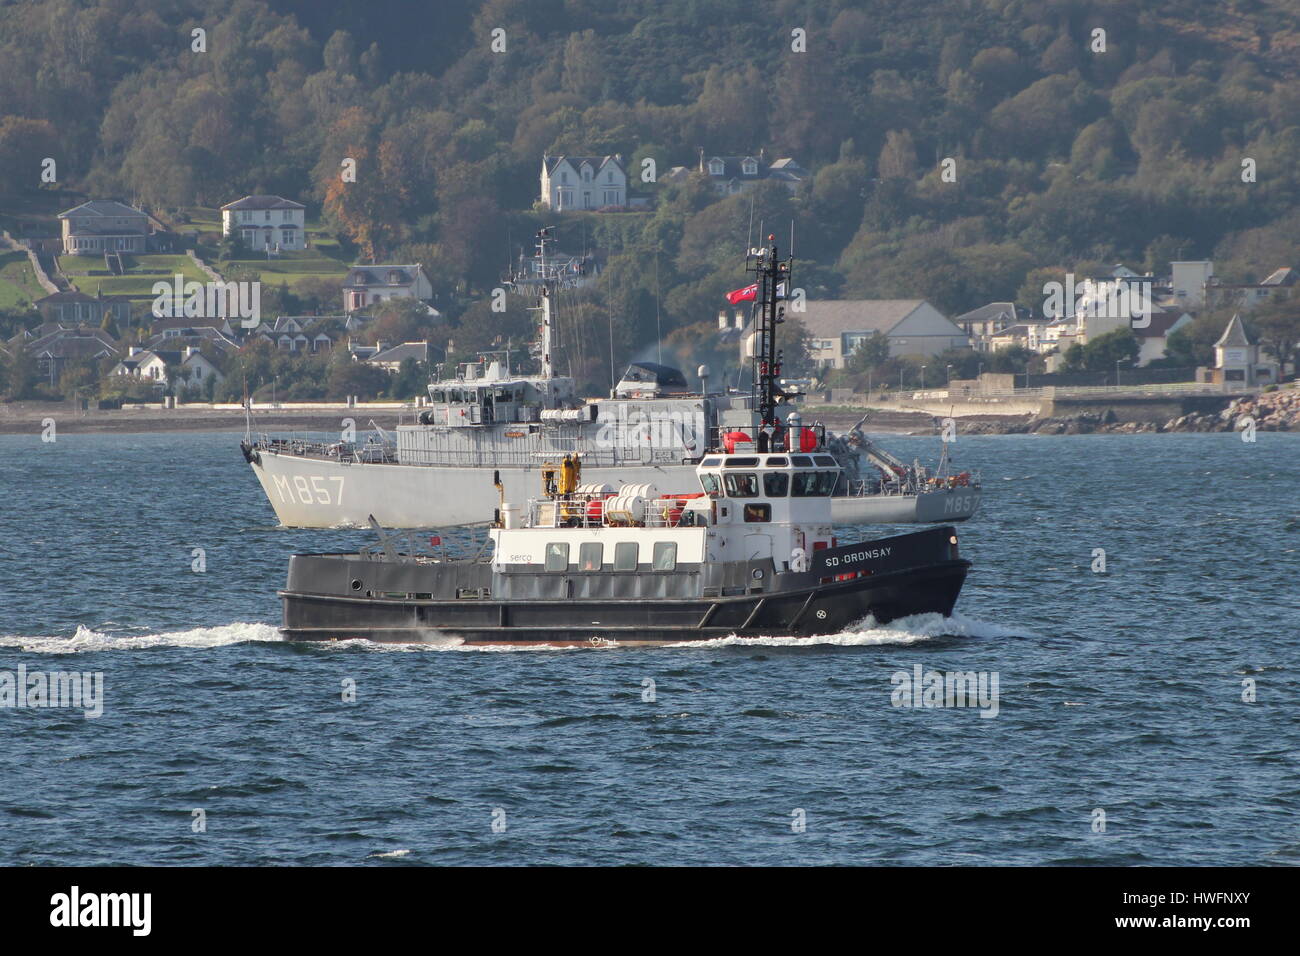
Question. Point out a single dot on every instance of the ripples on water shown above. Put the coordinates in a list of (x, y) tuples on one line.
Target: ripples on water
[(1119, 691)]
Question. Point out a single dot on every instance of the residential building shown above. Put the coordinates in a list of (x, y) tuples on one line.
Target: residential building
[(55, 347), (266, 222), (989, 320), (1249, 295), (104, 225), (912, 326), (366, 285), (153, 365), (733, 174), (391, 359), (583, 182), (78, 307), (1153, 337)]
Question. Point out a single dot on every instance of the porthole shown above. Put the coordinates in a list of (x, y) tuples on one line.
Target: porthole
[(356, 584)]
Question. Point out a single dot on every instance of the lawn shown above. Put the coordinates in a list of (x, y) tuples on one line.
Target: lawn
[(142, 273), (17, 281)]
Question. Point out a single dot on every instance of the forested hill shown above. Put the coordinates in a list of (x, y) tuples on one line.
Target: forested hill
[(1064, 154)]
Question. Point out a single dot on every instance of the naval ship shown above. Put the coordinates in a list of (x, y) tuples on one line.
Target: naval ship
[(485, 420), (747, 549)]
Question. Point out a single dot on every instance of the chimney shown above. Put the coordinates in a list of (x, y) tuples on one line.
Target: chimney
[(190, 350), (132, 350), (722, 319), (740, 318)]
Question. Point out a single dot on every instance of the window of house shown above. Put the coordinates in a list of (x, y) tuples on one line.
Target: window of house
[(625, 556), (286, 216), (267, 215), (591, 556), (715, 167), (741, 485), (776, 485), (564, 179), (759, 512), (557, 556), (751, 168), (665, 556)]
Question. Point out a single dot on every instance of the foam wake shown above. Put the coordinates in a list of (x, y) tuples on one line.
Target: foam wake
[(866, 633), (113, 638)]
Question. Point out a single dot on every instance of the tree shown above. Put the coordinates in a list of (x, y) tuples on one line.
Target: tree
[(870, 353), (1277, 323)]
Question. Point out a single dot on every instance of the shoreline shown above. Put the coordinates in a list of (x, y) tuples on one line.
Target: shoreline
[(1279, 412)]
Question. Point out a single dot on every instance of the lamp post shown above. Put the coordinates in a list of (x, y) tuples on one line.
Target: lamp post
[(948, 378), (1117, 373), (923, 378)]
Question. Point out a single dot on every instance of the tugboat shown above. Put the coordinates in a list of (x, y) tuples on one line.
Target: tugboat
[(749, 551)]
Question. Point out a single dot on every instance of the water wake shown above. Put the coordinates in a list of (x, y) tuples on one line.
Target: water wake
[(866, 633), (117, 638)]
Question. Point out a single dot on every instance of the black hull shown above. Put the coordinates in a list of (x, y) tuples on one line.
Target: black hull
[(827, 607)]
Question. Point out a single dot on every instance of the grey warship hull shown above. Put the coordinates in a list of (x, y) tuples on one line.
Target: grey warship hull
[(330, 492)]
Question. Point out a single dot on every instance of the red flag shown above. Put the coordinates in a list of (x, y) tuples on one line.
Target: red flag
[(741, 295)]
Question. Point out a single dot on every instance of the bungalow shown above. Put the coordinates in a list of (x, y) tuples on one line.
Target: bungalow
[(104, 225), (391, 359), (366, 285), (266, 222), (912, 326), (583, 182)]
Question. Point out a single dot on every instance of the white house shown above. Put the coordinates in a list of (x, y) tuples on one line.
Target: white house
[(152, 365), (583, 182), (1153, 338), (266, 222), (366, 285), (912, 326)]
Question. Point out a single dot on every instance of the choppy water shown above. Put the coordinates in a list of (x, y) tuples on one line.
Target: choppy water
[(1119, 692)]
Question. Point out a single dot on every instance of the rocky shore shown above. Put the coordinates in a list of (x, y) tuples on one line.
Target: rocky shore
[(1271, 412)]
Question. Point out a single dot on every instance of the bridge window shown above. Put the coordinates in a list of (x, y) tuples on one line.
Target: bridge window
[(813, 484), (712, 487), (741, 485), (776, 485), (760, 512), (557, 556), (591, 555), (625, 556), (665, 556)]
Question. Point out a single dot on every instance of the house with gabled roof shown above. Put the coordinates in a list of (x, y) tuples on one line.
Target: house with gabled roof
[(912, 327), (583, 182), (154, 365), (390, 359), (733, 174), (54, 348), (366, 285), (266, 222), (74, 307), (103, 225), (1237, 360)]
